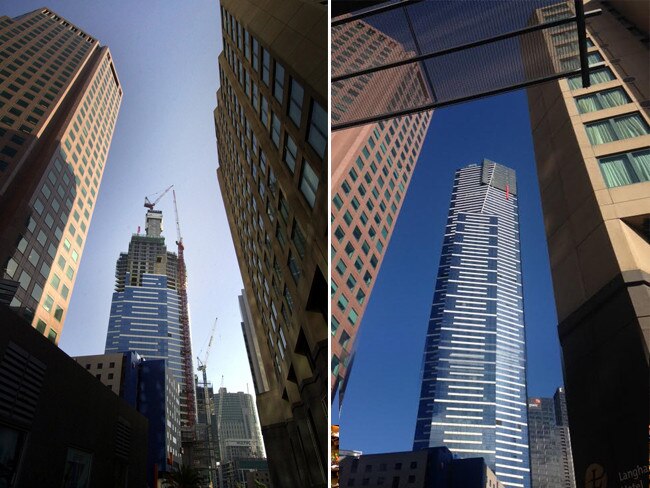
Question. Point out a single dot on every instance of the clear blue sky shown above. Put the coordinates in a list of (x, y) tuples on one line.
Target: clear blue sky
[(165, 54), (381, 401)]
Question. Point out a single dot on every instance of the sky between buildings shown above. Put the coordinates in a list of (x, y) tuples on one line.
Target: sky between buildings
[(165, 54), (381, 400)]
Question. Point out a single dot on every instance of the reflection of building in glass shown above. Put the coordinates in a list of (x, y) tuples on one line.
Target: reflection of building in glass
[(59, 99), (473, 396), (592, 147), (372, 167), (551, 461), (271, 124)]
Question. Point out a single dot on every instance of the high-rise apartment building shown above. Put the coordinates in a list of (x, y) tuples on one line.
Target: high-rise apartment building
[(146, 311), (372, 167), (551, 461), (592, 147), (272, 125), (59, 99), (473, 396)]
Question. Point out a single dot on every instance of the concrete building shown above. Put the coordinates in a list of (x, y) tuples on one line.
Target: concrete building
[(272, 125), (473, 396), (60, 426), (551, 460), (592, 147), (372, 167), (59, 99), (146, 305), (253, 351), (427, 468), (237, 426), (151, 389)]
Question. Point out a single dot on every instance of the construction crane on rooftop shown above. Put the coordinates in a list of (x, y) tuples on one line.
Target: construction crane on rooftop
[(150, 205), (184, 317), (203, 364)]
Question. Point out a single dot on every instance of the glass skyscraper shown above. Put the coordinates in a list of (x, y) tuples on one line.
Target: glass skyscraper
[(473, 397)]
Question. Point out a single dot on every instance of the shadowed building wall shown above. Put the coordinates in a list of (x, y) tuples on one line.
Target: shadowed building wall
[(592, 147), (272, 132)]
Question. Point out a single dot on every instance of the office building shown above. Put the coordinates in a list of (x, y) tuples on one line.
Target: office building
[(59, 425), (150, 388), (551, 461), (245, 473), (237, 426), (271, 125), (592, 147), (146, 307), (59, 99), (431, 467), (253, 351), (372, 167), (473, 396)]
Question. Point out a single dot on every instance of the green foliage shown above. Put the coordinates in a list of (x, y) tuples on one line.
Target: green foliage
[(183, 477)]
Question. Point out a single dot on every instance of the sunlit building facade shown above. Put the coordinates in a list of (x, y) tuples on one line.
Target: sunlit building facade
[(592, 147), (473, 398), (59, 100)]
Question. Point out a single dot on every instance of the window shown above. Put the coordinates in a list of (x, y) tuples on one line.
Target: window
[(295, 102), (48, 303), (602, 75), (601, 100), (264, 115), (266, 66), (278, 86), (626, 169), (317, 135), (617, 128), (290, 152), (275, 131), (256, 49), (308, 183)]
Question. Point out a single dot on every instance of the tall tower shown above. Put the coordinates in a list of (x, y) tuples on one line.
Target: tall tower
[(372, 167), (592, 147), (237, 426), (473, 396), (146, 306), (59, 99), (551, 460), (272, 128)]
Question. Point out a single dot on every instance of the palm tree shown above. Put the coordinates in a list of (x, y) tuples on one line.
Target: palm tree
[(183, 477)]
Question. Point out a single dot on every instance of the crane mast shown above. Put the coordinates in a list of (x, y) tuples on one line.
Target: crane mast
[(186, 343)]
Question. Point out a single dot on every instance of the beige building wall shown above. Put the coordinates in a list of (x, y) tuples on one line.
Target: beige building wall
[(599, 248), (271, 124), (60, 97)]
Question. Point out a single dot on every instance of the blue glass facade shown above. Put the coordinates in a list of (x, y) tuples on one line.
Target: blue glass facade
[(473, 397), (145, 319)]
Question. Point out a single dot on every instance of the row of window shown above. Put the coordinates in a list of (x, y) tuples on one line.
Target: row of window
[(619, 169)]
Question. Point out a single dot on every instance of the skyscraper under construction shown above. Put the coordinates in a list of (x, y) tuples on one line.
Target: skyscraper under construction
[(148, 310)]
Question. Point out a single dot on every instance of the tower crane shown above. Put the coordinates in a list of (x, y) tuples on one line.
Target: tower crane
[(150, 205), (203, 364)]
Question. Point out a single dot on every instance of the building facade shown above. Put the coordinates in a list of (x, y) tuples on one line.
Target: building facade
[(271, 125), (146, 305), (372, 167), (551, 460), (237, 426), (150, 388), (417, 469), (60, 426), (59, 99), (592, 147), (473, 396)]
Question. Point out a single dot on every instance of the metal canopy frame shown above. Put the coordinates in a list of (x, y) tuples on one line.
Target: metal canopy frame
[(578, 19)]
